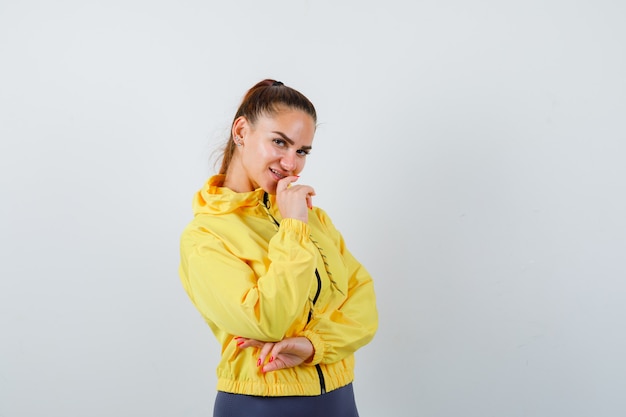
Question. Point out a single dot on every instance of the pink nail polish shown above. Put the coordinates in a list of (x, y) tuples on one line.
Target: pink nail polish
[(240, 343), (258, 363), (271, 358)]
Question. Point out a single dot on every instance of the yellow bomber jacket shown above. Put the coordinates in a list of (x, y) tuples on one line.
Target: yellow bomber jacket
[(252, 274)]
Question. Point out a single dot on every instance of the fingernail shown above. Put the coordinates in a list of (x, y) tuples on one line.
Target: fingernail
[(271, 358), (240, 343), (258, 363)]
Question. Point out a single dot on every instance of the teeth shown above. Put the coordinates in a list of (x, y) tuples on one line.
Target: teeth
[(277, 173)]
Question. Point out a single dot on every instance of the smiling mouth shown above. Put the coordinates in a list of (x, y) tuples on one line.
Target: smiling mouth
[(278, 174)]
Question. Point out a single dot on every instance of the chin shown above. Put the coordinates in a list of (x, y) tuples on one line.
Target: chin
[(269, 187), (270, 190)]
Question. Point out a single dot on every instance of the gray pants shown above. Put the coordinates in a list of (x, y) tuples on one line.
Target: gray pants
[(337, 403)]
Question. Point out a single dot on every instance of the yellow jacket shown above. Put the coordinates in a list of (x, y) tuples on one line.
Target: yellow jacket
[(251, 274)]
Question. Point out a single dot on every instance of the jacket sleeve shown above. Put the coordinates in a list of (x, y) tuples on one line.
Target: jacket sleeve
[(231, 297), (341, 332)]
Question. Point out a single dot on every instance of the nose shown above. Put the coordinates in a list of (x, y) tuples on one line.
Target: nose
[(288, 161)]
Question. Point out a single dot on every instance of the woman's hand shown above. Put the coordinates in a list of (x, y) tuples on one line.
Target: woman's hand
[(289, 352), (293, 200)]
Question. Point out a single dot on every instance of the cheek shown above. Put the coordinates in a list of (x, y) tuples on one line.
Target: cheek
[(301, 164), (267, 152), (259, 156)]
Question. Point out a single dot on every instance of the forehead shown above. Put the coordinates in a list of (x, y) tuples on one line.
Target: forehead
[(296, 123)]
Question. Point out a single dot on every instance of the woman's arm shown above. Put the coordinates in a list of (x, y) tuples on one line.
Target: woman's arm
[(228, 293), (338, 333)]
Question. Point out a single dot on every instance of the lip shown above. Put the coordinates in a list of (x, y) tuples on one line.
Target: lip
[(277, 174)]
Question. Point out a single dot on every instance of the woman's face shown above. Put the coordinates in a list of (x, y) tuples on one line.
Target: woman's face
[(274, 147)]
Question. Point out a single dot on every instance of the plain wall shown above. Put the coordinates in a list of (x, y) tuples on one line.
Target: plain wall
[(472, 154)]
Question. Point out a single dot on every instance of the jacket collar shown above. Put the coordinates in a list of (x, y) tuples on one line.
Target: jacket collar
[(214, 198)]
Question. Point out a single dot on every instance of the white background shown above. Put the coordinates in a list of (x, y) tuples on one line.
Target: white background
[(472, 153)]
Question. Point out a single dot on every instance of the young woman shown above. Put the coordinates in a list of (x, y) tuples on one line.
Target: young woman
[(270, 273)]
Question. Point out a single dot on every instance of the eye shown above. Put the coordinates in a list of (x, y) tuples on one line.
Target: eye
[(280, 142), (303, 152)]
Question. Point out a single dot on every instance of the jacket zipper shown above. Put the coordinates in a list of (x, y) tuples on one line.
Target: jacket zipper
[(320, 374), (318, 368)]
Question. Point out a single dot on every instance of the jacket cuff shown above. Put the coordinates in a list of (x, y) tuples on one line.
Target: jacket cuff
[(318, 346), (297, 227)]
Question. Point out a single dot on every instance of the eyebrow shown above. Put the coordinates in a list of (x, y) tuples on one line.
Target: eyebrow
[(291, 142)]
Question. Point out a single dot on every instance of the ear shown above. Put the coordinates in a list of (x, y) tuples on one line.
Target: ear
[(241, 126)]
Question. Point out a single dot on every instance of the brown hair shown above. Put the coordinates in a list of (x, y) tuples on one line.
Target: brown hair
[(266, 98)]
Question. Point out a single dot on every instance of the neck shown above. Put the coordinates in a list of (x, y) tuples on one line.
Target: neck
[(236, 180)]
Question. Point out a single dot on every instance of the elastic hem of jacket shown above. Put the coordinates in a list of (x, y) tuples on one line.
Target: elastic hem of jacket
[(280, 390)]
